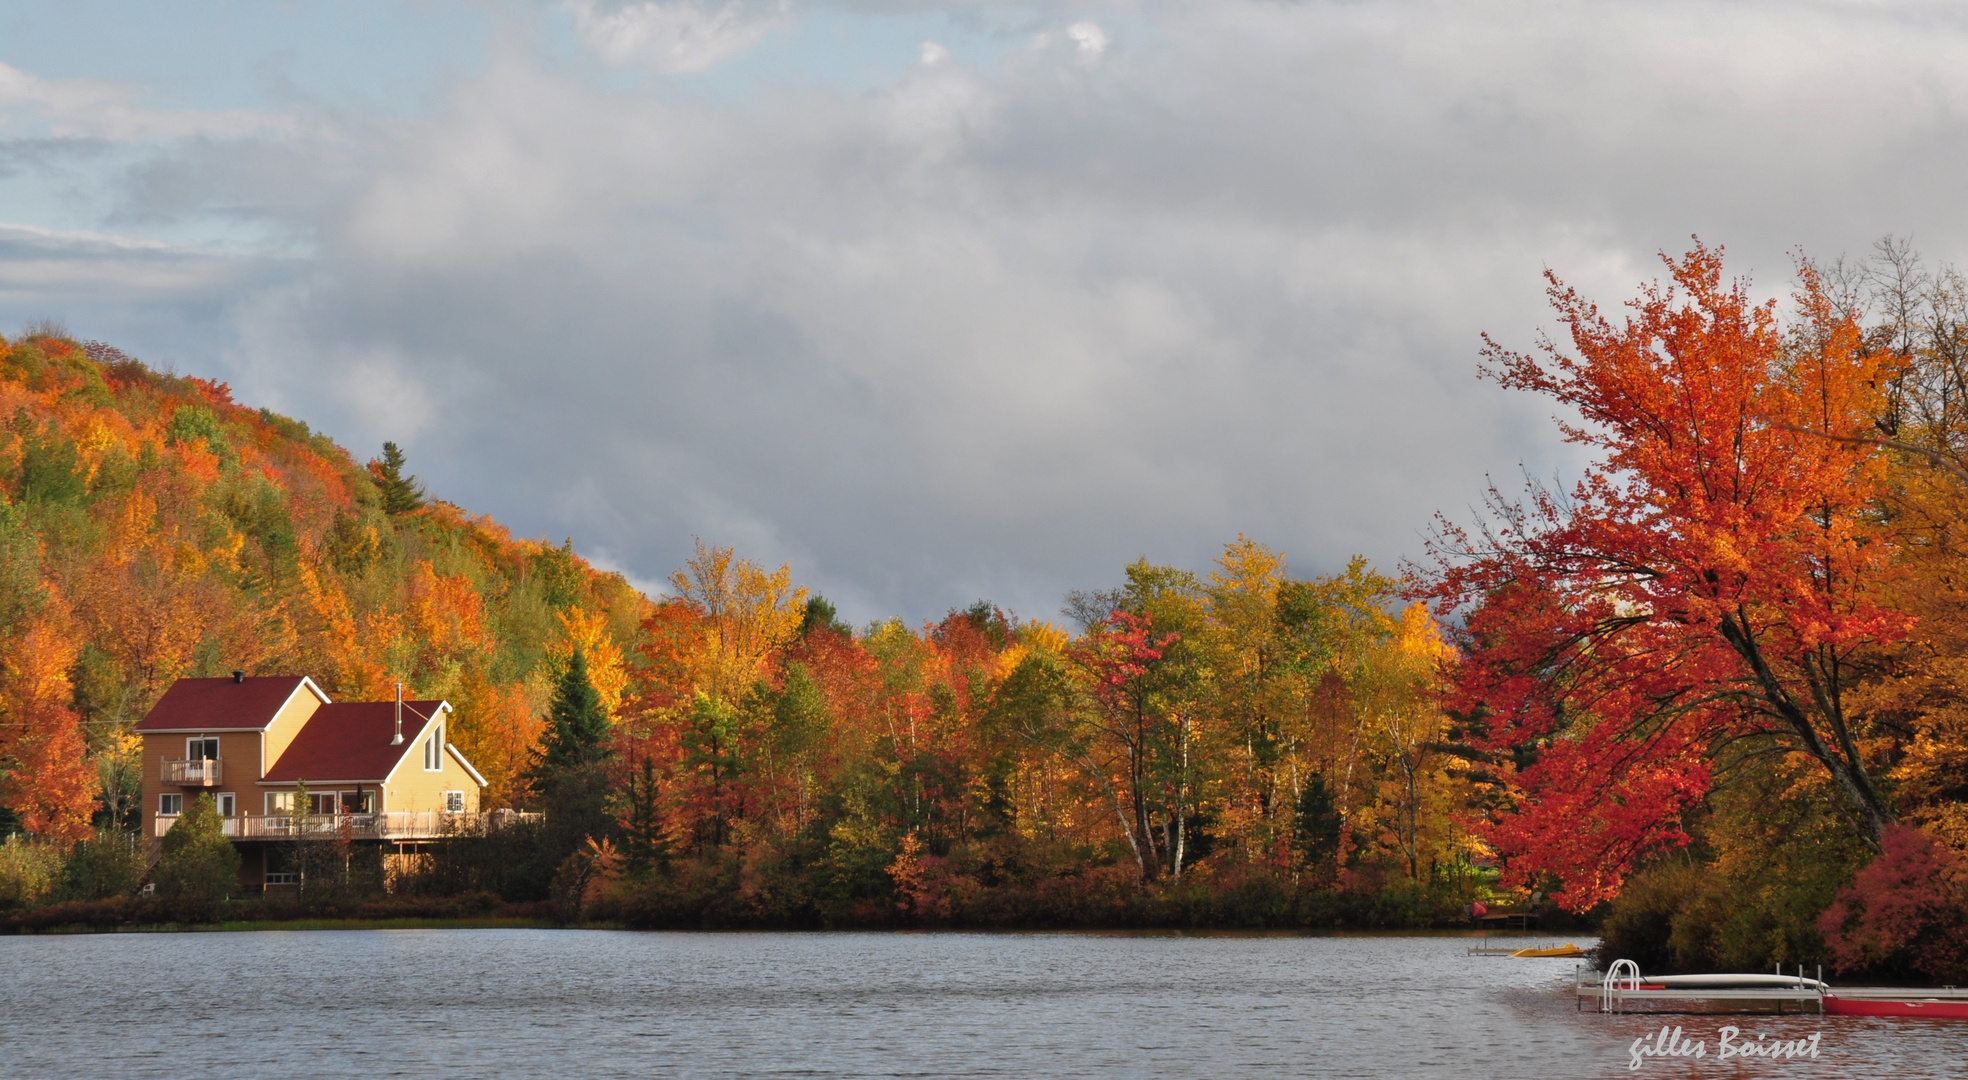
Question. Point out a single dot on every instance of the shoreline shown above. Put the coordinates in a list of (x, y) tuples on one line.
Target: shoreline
[(511, 922)]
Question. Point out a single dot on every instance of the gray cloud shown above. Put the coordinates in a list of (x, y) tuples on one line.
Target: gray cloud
[(994, 333)]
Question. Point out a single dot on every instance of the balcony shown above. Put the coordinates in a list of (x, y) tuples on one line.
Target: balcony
[(194, 773), (400, 826)]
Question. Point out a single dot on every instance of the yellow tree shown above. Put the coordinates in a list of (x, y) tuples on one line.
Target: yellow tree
[(749, 613), (588, 632), (1246, 659), (446, 620), (1398, 697), (498, 726), (147, 602)]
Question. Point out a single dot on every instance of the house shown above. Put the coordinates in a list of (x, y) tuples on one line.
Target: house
[(372, 771)]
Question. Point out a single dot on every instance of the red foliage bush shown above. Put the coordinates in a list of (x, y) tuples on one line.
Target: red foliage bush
[(1906, 913)]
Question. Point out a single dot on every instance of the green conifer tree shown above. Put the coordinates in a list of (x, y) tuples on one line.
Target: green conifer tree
[(1318, 824), (401, 494), (577, 725), (571, 773)]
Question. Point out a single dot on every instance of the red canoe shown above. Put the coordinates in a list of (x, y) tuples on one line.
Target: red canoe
[(1931, 1008)]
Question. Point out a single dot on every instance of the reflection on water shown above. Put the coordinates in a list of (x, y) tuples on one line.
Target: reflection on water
[(539, 1003)]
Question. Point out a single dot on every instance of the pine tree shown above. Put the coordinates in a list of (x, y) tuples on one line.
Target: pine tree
[(1318, 823), (577, 725), (644, 832), (401, 494), (571, 772), (820, 614)]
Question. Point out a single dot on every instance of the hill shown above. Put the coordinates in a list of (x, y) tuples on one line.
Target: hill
[(153, 528)]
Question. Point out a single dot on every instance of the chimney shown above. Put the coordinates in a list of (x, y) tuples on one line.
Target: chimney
[(398, 741), (238, 676)]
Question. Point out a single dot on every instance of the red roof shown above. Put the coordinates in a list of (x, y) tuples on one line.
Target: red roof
[(350, 740), (220, 704)]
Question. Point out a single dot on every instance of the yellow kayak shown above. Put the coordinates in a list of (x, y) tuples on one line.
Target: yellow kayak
[(1555, 950)]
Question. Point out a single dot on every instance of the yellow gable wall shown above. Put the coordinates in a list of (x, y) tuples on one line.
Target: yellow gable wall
[(287, 723), (411, 787)]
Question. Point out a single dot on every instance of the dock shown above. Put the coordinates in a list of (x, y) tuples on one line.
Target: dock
[(1623, 987), (1616, 1000)]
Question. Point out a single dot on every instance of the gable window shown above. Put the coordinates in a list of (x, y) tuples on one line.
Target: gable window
[(170, 805), (201, 749), (454, 802), (434, 751)]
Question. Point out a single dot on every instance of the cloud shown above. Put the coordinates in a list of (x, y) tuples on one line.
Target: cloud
[(1089, 38), (996, 329), (86, 108), (44, 271), (677, 37)]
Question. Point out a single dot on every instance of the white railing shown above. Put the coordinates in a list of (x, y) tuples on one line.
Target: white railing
[(399, 825), (194, 773), (1622, 977)]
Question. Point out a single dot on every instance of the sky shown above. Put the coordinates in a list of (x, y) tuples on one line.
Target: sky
[(939, 302)]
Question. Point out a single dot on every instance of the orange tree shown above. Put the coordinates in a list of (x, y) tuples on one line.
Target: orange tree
[(1713, 583)]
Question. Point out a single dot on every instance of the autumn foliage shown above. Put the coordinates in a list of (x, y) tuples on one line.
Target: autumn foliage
[(1907, 911), (1720, 574), (1720, 674), (151, 528), (735, 751), (780, 768), (1718, 679)]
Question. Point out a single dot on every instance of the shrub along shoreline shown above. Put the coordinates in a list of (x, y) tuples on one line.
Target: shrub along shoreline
[(142, 913), (1124, 908)]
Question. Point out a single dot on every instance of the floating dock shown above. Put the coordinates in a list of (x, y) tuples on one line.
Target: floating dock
[(1623, 987), (1616, 999)]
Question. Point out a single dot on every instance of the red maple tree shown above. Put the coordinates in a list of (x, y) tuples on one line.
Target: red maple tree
[(1716, 575)]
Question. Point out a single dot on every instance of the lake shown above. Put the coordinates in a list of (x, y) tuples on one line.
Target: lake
[(583, 1003)]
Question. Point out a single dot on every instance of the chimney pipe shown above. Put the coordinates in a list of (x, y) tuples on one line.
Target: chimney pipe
[(398, 741), (238, 676)]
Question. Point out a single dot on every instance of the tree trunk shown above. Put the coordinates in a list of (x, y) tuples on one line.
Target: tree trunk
[(1844, 762), (1181, 798)]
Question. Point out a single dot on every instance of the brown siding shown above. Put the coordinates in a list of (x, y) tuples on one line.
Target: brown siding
[(239, 770)]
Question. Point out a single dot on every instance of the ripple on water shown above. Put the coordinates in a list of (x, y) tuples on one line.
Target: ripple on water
[(546, 1003)]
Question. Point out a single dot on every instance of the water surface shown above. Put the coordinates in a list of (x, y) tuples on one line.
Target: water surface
[(546, 1003)]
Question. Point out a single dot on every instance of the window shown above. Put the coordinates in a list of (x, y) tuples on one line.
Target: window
[(201, 749), (228, 806), (280, 802), (325, 802), (280, 865), (454, 802), (170, 805), (434, 752)]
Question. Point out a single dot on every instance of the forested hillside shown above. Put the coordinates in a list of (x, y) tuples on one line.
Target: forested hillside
[(153, 528), (730, 752), (1711, 693)]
